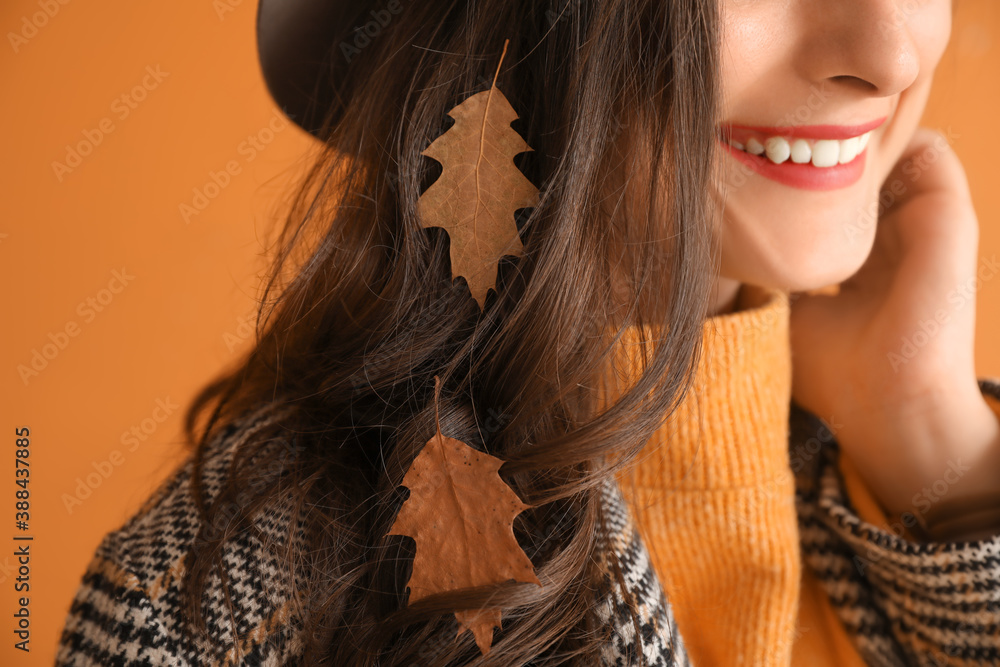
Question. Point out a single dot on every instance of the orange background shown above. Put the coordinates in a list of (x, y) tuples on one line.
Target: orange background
[(180, 318)]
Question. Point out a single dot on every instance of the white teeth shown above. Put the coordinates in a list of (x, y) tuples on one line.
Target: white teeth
[(849, 149), (801, 152), (754, 147), (863, 141), (826, 153), (777, 149), (821, 153)]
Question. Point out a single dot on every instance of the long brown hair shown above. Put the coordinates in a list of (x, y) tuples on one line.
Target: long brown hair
[(618, 100)]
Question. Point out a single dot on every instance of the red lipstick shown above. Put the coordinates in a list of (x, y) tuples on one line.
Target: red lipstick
[(803, 176), (742, 132)]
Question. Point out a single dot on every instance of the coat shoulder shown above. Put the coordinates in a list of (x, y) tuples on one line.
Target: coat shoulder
[(128, 608)]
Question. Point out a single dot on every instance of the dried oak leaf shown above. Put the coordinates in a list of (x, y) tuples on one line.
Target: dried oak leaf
[(479, 189), (460, 513)]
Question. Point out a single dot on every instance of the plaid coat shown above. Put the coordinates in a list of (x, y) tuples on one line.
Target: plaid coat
[(910, 604)]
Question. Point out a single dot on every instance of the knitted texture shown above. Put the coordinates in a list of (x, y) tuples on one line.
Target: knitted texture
[(902, 602), (746, 526), (127, 608), (713, 491), (728, 523)]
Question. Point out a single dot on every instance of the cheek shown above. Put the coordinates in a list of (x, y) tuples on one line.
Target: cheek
[(750, 45), (930, 30)]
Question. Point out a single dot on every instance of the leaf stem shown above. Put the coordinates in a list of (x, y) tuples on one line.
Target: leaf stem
[(505, 42)]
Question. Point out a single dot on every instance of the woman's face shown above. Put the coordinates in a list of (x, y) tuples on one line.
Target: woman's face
[(809, 83)]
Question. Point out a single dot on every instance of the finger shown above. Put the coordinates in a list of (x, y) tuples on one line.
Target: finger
[(928, 164)]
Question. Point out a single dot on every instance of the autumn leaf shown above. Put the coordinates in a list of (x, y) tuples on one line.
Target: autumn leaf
[(460, 513), (479, 189)]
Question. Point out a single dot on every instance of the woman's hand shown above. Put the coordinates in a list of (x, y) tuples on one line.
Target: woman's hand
[(888, 361)]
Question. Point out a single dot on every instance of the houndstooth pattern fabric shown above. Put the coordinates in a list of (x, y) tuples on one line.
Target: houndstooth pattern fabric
[(661, 643), (902, 603), (127, 609)]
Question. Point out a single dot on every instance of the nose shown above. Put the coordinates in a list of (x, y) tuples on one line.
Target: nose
[(862, 44)]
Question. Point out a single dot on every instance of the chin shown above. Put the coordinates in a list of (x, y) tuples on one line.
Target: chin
[(798, 253), (792, 239)]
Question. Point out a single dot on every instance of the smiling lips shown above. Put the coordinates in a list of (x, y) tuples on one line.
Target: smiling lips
[(810, 157)]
